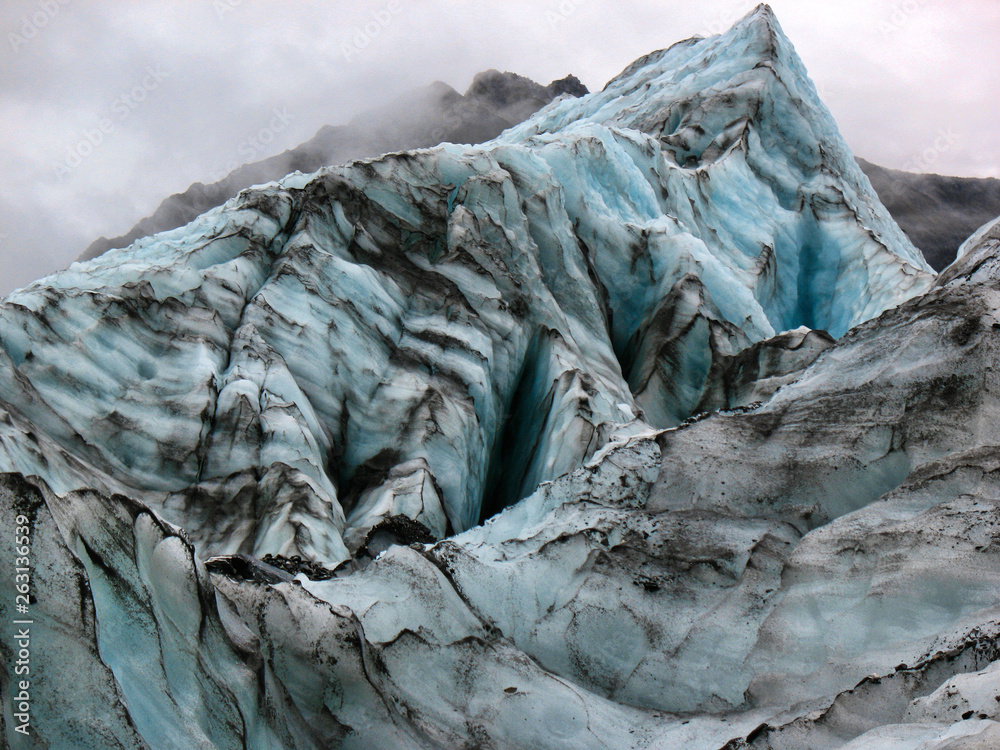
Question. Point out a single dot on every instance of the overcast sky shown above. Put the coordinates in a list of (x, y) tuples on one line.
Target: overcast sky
[(108, 106)]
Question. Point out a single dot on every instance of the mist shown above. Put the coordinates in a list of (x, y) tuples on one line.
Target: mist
[(109, 108)]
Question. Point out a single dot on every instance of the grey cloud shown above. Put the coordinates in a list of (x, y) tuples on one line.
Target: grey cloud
[(894, 72)]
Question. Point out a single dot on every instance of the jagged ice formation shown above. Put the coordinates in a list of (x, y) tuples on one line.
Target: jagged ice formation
[(434, 333), (733, 443)]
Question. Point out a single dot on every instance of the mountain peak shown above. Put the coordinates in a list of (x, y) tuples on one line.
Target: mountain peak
[(503, 88), (434, 113), (718, 99), (569, 85), (762, 11)]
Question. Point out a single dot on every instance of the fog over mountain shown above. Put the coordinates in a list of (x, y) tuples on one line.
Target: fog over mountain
[(938, 213), (422, 118), (174, 94)]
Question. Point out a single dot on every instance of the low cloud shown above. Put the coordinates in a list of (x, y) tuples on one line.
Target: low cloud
[(108, 108)]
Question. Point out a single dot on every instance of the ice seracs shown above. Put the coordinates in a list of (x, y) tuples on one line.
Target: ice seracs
[(265, 376), (641, 426)]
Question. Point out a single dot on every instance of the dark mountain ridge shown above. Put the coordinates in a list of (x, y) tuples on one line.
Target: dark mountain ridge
[(431, 115), (937, 212)]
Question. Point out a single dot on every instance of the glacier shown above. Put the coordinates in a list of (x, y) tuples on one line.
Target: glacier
[(640, 426), (434, 333)]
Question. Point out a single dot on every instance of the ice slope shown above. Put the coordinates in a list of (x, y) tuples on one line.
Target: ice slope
[(743, 135), (736, 530), (434, 333), (756, 578)]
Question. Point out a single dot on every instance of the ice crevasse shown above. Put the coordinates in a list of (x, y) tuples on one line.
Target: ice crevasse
[(640, 426), (434, 333)]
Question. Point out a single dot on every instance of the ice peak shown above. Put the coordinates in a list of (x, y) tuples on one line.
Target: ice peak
[(761, 25), (761, 17), (762, 12), (755, 38)]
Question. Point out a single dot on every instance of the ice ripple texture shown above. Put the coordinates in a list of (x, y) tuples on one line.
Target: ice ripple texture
[(733, 443), (435, 333)]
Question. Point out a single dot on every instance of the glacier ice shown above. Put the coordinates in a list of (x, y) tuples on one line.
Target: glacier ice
[(640, 426), (266, 371)]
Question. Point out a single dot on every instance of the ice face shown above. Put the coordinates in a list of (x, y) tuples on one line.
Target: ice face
[(480, 312), (706, 521)]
